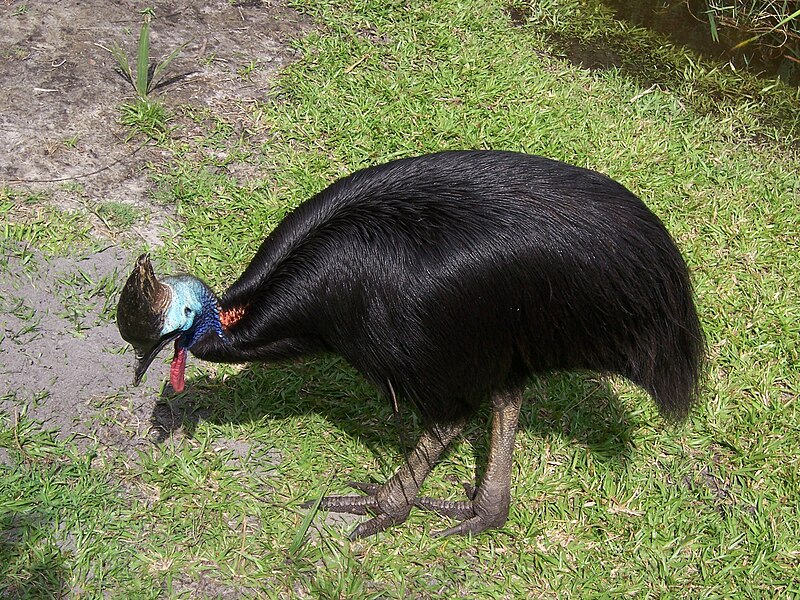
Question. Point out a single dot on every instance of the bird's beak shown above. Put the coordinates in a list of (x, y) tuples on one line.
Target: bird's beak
[(146, 357), (140, 315)]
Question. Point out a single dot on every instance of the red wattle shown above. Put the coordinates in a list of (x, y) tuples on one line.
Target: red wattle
[(177, 369)]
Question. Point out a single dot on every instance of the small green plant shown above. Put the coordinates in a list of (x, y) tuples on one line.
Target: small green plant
[(146, 116), (147, 75), (247, 70), (74, 187)]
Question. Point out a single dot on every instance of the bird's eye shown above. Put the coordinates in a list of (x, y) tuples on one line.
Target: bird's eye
[(187, 311)]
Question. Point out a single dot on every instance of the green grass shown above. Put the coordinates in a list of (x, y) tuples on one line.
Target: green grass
[(33, 219), (608, 499), (146, 116), (117, 216)]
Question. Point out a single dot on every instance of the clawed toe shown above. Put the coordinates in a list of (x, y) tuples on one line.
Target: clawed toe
[(355, 505), (362, 505), (454, 509), (374, 526), (368, 488), (474, 516), (470, 526)]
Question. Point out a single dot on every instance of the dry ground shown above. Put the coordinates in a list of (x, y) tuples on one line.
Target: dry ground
[(60, 138)]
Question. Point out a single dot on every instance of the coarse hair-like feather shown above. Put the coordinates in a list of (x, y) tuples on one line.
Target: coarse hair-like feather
[(449, 277)]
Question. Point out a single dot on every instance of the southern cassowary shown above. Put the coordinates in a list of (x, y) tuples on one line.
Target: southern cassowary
[(447, 280)]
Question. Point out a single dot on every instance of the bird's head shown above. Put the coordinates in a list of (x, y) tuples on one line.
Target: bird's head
[(153, 313)]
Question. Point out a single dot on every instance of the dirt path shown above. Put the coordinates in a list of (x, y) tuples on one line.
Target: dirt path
[(59, 113)]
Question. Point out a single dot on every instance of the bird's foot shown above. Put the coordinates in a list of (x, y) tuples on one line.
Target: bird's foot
[(481, 512), (386, 507)]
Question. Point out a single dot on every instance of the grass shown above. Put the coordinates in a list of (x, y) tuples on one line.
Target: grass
[(117, 216), (31, 218), (87, 302), (608, 500), (145, 114), (768, 19)]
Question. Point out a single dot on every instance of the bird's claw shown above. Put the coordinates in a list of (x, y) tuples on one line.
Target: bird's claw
[(355, 505), (374, 526), (474, 517), (362, 505), (370, 489), (473, 525)]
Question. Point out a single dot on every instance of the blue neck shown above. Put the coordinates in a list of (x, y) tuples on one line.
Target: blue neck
[(193, 309), (207, 320)]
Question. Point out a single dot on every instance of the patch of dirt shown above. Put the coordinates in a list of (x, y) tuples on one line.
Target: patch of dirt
[(61, 360), (59, 110), (59, 122)]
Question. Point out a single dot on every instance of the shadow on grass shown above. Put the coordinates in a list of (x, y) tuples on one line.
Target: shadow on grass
[(578, 407), (640, 53)]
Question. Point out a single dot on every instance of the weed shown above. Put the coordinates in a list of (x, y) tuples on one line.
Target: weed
[(768, 20), (87, 302), (208, 59), (147, 75), (144, 114), (75, 187), (244, 72)]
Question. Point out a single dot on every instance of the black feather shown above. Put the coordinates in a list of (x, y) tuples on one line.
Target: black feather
[(449, 277)]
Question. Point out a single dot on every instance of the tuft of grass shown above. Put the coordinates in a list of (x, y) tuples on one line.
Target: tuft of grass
[(769, 22), (117, 216), (31, 218), (145, 115), (87, 302), (245, 71), (148, 117), (72, 142)]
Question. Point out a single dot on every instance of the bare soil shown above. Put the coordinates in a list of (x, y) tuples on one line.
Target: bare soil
[(60, 353)]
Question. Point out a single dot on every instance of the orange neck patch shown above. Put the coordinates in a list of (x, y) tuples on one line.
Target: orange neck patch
[(230, 317)]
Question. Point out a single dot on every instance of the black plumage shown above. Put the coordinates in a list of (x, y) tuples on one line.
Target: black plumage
[(448, 280)]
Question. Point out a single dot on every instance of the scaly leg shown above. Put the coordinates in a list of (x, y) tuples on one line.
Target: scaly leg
[(488, 506), (392, 501)]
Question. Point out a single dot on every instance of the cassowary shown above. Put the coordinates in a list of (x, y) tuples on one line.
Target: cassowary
[(447, 280)]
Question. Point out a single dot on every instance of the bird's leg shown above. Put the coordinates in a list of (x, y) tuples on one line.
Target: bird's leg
[(392, 501), (488, 505)]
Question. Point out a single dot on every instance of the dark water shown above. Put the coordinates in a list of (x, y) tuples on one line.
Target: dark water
[(685, 22)]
